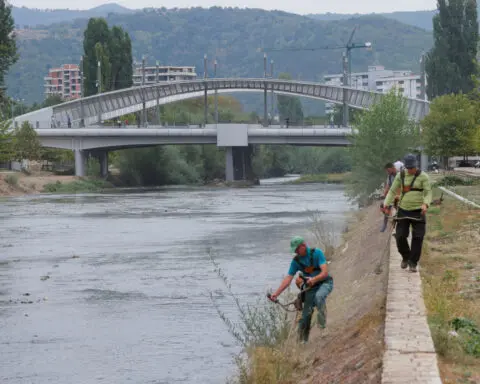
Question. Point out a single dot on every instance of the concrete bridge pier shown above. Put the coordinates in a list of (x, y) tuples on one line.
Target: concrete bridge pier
[(238, 163), (80, 162), (103, 160)]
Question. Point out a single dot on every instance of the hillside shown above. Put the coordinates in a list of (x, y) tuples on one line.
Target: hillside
[(33, 17), (234, 36), (420, 19)]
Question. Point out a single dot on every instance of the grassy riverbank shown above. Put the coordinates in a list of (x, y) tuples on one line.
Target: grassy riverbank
[(18, 183), (348, 351), (334, 178), (450, 269)]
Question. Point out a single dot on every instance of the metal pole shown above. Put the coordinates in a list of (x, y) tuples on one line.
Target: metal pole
[(265, 116), (99, 90), (81, 77), (157, 77), (144, 109), (272, 107), (349, 58), (345, 91), (205, 100), (216, 91), (422, 78)]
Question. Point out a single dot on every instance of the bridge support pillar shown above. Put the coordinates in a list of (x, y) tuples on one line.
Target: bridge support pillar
[(229, 169), (80, 158), (103, 160)]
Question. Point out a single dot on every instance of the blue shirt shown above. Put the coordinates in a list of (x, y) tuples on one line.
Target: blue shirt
[(318, 260)]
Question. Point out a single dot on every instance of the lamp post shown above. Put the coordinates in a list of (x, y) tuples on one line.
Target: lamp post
[(216, 91), (272, 106), (265, 115), (205, 100)]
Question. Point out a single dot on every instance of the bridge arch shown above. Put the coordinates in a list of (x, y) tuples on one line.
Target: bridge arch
[(113, 104)]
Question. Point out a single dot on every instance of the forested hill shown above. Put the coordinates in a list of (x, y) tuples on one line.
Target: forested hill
[(234, 36)]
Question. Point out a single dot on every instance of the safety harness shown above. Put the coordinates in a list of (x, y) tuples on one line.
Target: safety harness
[(409, 188), (311, 267)]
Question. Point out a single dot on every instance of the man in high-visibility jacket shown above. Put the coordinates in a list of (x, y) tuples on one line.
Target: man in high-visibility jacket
[(415, 198)]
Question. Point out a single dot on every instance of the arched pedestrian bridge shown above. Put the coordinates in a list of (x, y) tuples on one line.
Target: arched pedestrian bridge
[(97, 108)]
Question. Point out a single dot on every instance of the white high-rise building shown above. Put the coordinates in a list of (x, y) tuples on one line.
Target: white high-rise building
[(154, 74), (378, 79)]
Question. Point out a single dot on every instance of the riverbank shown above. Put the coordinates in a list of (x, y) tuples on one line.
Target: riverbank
[(350, 350), (18, 184), (334, 178), (450, 270)]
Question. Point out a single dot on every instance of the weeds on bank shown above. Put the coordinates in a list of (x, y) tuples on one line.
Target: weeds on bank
[(265, 333), (11, 180), (324, 233), (451, 262), (77, 186)]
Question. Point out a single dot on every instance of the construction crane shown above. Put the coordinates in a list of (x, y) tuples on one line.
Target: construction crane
[(347, 66)]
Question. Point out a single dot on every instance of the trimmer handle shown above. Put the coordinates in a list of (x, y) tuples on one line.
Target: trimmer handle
[(270, 298)]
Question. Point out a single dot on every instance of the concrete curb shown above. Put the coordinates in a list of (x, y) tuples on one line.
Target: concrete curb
[(409, 355)]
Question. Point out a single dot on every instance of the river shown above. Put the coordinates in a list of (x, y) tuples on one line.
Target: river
[(114, 287)]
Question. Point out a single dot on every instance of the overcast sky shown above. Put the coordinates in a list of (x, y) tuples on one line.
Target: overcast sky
[(298, 6)]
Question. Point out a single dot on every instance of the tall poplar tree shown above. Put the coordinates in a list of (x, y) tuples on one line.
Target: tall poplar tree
[(451, 62), (113, 49), (8, 47)]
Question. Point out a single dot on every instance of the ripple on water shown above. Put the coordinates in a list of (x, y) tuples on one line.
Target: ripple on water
[(135, 304)]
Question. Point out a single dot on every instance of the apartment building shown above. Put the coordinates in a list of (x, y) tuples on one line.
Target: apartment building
[(379, 79), (64, 81), (154, 74)]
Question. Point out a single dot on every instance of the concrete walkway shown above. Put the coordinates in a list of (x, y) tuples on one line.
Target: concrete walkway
[(409, 356)]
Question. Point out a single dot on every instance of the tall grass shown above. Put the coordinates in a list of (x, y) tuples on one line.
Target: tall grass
[(265, 333)]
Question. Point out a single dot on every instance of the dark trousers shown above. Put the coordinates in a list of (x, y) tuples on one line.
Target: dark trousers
[(412, 255)]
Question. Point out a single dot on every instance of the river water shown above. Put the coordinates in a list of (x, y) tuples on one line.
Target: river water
[(114, 287)]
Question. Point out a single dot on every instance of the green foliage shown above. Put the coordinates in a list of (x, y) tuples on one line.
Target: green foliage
[(11, 180), (452, 61), (6, 145), (26, 144), (8, 46), (113, 49), (77, 186), (451, 126), (384, 134), (182, 37), (469, 335)]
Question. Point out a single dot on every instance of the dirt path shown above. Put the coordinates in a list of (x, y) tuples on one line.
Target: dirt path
[(17, 183), (351, 351)]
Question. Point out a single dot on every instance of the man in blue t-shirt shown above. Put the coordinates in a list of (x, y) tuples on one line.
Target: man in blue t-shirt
[(312, 264)]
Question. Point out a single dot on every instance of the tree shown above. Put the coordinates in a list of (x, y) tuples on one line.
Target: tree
[(26, 144), (451, 62), (381, 135), (113, 49), (8, 47), (6, 147), (289, 106), (451, 126)]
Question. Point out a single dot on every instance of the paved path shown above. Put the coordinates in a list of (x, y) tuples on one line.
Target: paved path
[(409, 356)]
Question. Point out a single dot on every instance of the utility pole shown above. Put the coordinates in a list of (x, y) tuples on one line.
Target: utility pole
[(272, 107), (216, 91), (265, 116), (205, 99)]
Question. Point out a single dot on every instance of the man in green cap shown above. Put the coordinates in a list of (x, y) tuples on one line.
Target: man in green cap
[(311, 262)]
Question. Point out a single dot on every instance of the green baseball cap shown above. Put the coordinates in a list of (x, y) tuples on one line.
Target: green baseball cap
[(295, 242)]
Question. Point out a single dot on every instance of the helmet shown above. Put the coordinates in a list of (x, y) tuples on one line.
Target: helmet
[(295, 242), (410, 161)]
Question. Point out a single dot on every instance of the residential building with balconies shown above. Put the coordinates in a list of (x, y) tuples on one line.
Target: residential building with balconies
[(64, 81)]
